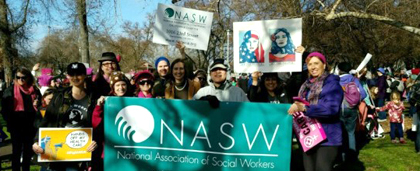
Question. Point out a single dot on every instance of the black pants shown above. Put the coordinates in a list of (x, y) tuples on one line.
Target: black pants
[(320, 158), (417, 144), (22, 139)]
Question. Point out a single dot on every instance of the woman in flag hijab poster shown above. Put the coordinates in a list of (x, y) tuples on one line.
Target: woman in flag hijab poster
[(251, 50)]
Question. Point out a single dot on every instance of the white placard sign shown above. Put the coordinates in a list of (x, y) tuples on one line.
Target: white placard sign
[(267, 46), (364, 62), (190, 26)]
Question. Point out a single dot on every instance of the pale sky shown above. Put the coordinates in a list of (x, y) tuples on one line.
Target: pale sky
[(128, 10)]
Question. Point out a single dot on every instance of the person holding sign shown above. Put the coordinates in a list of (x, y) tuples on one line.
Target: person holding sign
[(70, 108), (269, 90), (324, 94), (282, 47), (251, 50), (19, 107), (119, 84), (180, 86), (220, 88)]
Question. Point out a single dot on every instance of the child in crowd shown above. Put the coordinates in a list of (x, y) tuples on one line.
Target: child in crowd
[(395, 111)]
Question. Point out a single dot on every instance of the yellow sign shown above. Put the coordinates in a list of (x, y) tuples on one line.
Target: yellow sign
[(65, 144)]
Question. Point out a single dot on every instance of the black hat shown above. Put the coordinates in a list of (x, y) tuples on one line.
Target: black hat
[(218, 63), (344, 66), (108, 56), (76, 68)]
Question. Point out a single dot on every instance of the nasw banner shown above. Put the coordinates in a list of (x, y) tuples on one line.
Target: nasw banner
[(158, 134)]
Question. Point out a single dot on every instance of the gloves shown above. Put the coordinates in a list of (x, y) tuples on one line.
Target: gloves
[(213, 101)]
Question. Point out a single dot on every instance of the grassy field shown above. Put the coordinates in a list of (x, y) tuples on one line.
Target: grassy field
[(376, 155)]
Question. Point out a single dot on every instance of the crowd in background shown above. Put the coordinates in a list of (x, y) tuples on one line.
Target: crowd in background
[(340, 97)]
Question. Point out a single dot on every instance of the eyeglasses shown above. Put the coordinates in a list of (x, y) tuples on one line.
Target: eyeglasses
[(145, 81), (21, 78), (108, 64)]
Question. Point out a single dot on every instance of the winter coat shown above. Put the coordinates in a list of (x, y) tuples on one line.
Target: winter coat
[(327, 111)]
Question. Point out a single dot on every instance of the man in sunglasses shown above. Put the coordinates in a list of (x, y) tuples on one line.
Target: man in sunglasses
[(220, 87)]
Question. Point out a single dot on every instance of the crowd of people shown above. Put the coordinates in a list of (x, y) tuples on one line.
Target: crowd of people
[(335, 100)]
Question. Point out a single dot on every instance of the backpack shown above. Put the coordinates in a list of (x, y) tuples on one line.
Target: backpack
[(415, 94), (351, 94)]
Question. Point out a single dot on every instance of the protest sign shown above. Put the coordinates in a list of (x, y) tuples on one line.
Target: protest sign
[(364, 62), (157, 134), (65, 144), (267, 46), (190, 26)]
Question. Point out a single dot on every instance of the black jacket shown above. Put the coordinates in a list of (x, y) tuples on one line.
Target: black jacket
[(7, 104), (60, 103)]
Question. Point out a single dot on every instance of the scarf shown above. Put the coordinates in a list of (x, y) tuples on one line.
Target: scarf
[(18, 100), (314, 86), (141, 95)]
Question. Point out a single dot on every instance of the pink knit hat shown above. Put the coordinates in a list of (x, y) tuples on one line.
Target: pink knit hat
[(46, 71), (316, 54), (44, 80)]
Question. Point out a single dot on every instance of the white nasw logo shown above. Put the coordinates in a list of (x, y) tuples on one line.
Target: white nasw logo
[(137, 119)]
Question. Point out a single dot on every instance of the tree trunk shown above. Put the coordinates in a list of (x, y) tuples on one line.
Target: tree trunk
[(6, 43), (84, 34)]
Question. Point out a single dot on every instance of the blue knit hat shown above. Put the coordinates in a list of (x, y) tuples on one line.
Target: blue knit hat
[(382, 70), (162, 58)]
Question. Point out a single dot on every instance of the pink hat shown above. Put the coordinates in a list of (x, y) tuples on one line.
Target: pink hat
[(316, 54), (46, 71), (89, 71), (144, 74), (44, 80)]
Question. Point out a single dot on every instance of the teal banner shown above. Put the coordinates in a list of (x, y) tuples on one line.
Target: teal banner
[(158, 134)]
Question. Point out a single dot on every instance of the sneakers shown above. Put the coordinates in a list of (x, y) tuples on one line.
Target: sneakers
[(402, 141), (394, 141)]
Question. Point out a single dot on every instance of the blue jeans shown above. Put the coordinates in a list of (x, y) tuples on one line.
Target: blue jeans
[(399, 129), (418, 130), (381, 102), (349, 118)]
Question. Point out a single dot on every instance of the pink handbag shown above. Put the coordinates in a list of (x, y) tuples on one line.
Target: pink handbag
[(308, 130)]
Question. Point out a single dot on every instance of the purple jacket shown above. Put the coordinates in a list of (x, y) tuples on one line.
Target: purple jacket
[(381, 87), (327, 111)]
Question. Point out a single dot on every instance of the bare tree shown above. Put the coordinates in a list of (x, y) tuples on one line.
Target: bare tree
[(8, 27)]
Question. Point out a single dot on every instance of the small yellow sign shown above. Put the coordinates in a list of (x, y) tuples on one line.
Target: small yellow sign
[(65, 144)]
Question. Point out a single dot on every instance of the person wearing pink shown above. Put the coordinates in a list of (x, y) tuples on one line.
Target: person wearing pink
[(144, 81), (19, 107), (395, 111), (119, 84)]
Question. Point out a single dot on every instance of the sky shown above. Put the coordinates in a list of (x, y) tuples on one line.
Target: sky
[(127, 10)]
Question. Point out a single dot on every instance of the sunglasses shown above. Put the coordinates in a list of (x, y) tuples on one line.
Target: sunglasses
[(21, 78), (145, 81)]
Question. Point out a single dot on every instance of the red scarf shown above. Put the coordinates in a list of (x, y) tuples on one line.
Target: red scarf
[(18, 100)]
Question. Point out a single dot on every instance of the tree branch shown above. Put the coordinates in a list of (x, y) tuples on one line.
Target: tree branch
[(15, 28), (322, 4), (380, 18)]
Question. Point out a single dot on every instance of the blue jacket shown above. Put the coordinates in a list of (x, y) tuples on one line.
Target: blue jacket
[(327, 111), (346, 78)]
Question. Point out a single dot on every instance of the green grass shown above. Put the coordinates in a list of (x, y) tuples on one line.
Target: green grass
[(381, 154)]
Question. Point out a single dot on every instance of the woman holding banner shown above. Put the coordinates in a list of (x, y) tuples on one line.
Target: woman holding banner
[(180, 86), (324, 94), (119, 85)]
